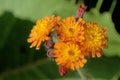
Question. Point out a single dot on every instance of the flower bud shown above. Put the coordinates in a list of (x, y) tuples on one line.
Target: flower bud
[(50, 53), (63, 70), (81, 10), (48, 44)]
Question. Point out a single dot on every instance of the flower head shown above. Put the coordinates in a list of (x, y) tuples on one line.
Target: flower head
[(71, 29), (41, 31), (68, 55), (95, 39)]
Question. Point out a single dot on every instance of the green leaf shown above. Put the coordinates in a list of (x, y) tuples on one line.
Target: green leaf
[(46, 69), (38, 8), (103, 67), (14, 49)]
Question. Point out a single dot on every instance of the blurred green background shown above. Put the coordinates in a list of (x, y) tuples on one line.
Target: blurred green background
[(19, 62)]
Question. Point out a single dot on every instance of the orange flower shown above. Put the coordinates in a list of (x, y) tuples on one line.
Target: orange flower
[(95, 39), (71, 29), (41, 31), (68, 55)]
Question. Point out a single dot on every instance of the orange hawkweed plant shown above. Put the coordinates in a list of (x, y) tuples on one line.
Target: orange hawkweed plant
[(71, 30), (40, 32), (69, 40), (69, 55), (95, 39)]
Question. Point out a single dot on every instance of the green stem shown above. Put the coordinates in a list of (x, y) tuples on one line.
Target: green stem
[(112, 6), (82, 1), (23, 68), (99, 4), (81, 74)]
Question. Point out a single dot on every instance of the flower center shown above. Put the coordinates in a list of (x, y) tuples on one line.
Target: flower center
[(71, 53), (92, 37), (71, 30)]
